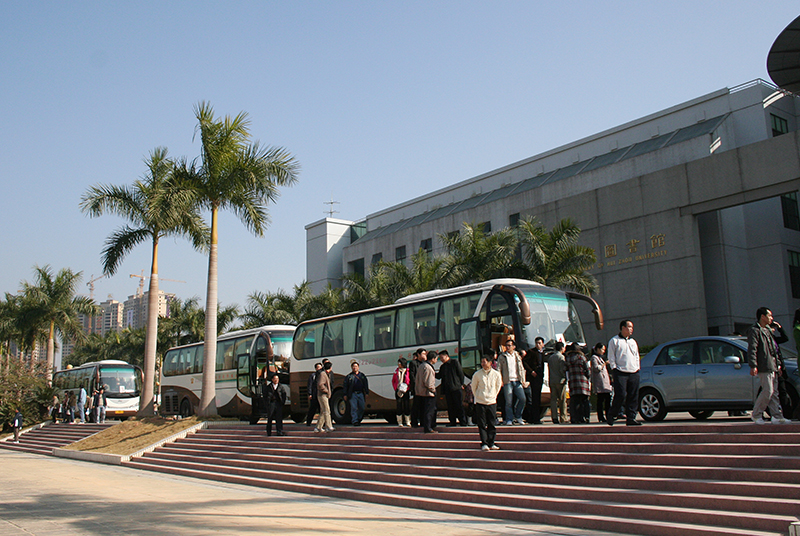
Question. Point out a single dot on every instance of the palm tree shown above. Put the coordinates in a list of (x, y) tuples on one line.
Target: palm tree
[(477, 256), (555, 258), (236, 175), (51, 303), (156, 207), (185, 323)]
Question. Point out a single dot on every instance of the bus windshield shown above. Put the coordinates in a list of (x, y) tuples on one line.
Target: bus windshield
[(553, 316), (120, 382)]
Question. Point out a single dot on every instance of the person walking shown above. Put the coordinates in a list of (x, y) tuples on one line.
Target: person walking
[(313, 403), (81, 405), (486, 385), (534, 372), (425, 390), (356, 389), (623, 358), (401, 380), (514, 382), (452, 376), (578, 373), (324, 423), (601, 382), (275, 398), (16, 424), (418, 357), (763, 360), (99, 405), (557, 372)]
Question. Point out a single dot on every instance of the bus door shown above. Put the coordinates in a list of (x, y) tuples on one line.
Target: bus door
[(470, 345), (257, 373), (502, 320)]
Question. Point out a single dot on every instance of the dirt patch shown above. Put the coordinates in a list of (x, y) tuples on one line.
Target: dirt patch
[(132, 435)]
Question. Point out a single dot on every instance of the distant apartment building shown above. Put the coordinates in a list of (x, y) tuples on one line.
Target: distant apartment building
[(692, 212), (135, 308)]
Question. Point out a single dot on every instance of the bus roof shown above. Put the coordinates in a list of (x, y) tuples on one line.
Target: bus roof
[(484, 285), (243, 333)]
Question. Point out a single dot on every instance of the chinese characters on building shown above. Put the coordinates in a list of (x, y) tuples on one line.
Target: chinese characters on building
[(654, 246)]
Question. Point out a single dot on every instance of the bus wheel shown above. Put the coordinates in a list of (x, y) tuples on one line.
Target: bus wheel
[(186, 408), (339, 408), (299, 418)]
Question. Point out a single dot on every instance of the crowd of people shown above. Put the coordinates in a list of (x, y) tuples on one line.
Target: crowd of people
[(75, 407)]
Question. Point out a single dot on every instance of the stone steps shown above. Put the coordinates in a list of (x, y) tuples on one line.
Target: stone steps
[(43, 440), (660, 480)]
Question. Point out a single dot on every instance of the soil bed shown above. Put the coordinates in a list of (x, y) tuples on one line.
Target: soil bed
[(132, 435)]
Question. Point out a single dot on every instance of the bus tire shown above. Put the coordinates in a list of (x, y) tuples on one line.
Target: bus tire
[(299, 417), (339, 408), (186, 408)]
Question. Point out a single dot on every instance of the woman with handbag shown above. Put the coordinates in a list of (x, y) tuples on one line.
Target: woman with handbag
[(400, 380)]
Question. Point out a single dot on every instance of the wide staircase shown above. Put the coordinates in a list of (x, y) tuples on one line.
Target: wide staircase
[(43, 440), (658, 479)]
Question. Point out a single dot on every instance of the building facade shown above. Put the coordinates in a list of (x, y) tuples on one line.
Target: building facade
[(692, 212)]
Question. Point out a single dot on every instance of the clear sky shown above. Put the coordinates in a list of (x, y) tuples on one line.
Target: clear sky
[(379, 101)]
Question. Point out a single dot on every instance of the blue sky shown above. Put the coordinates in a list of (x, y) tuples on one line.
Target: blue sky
[(379, 101)]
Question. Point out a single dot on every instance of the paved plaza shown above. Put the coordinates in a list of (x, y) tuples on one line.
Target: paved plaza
[(46, 496)]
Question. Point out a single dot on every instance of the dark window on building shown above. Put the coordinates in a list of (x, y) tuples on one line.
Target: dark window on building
[(357, 230), (794, 273), (453, 234), (486, 227), (376, 258), (791, 214), (426, 245), (779, 125), (400, 254), (357, 267), (513, 220)]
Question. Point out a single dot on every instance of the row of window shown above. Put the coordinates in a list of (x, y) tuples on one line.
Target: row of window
[(406, 326), (189, 359)]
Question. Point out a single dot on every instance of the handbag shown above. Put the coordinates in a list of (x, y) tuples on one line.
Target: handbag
[(402, 388)]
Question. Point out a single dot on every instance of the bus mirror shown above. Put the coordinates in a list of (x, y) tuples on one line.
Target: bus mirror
[(596, 312), (524, 306)]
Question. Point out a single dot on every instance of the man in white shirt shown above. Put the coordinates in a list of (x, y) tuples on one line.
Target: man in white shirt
[(486, 384), (623, 358)]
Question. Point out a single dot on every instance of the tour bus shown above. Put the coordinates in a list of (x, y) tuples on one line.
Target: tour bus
[(463, 320), (123, 383), (242, 357)]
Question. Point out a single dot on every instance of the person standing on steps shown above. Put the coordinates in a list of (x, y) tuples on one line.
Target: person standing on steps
[(356, 389), (16, 424), (452, 376), (623, 358), (418, 357), (763, 360), (557, 372), (275, 398), (601, 381), (313, 403), (401, 383), (486, 385), (534, 371), (324, 423), (425, 390)]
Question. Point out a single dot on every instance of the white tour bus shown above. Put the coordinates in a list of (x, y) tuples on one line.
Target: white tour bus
[(241, 359), (123, 383), (462, 320)]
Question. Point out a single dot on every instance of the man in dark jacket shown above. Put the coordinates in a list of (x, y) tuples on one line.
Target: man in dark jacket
[(763, 360), (534, 371), (275, 398), (452, 376), (356, 389), (16, 425), (416, 404)]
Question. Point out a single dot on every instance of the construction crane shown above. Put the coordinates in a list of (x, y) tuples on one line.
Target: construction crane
[(90, 284), (142, 277)]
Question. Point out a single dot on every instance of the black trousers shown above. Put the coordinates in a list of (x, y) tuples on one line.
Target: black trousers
[(274, 412), (416, 411), (626, 394), (455, 407), (313, 409), (535, 402), (603, 403), (428, 412), (486, 419)]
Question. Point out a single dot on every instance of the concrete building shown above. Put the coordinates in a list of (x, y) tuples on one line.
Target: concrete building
[(135, 308), (692, 212)]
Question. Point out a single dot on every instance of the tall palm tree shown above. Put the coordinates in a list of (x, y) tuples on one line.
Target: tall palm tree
[(232, 174), (185, 323), (554, 258), (157, 207), (52, 304), (474, 255)]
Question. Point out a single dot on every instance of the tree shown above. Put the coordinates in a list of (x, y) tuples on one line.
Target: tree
[(477, 256), (555, 258), (51, 303), (157, 206), (185, 323), (232, 174)]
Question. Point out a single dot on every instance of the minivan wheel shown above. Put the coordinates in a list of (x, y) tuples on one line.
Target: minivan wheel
[(651, 406)]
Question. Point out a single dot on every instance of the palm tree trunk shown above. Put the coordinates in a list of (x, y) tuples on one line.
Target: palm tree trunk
[(51, 353), (147, 404), (208, 400)]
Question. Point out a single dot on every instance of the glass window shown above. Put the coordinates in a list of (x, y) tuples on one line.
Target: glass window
[(791, 214), (676, 354), (400, 254), (225, 354), (426, 245), (308, 341), (452, 311), (416, 325), (376, 258), (332, 340), (794, 273), (718, 352), (375, 331), (171, 362), (357, 267), (779, 125)]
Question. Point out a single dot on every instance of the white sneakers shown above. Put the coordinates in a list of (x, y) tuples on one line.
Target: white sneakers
[(760, 420), (485, 447), (782, 420)]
